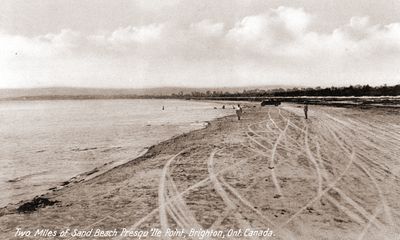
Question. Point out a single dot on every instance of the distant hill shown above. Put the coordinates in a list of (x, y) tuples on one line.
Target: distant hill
[(77, 93)]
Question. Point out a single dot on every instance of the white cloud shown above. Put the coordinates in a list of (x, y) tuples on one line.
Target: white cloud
[(363, 40), (66, 39), (209, 28), (259, 49), (270, 32), (295, 20), (143, 34), (14, 45)]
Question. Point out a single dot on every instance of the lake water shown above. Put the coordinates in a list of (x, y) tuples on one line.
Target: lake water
[(44, 143)]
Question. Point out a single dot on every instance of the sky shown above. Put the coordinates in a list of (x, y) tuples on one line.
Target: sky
[(193, 43)]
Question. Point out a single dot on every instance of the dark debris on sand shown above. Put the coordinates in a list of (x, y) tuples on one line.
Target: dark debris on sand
[(37, 202)]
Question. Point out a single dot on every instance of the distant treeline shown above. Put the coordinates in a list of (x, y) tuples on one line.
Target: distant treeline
[(357, 91), (254, 95)]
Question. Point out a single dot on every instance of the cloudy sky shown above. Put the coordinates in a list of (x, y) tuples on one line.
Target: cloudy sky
[(198, 43)]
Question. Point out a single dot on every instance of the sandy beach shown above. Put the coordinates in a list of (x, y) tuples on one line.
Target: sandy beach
[(45, 143), (332, 176)]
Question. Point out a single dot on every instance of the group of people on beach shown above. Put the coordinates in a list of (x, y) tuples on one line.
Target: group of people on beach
[(239, 110)]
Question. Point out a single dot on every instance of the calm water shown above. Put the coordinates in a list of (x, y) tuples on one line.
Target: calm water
[(44, 143)]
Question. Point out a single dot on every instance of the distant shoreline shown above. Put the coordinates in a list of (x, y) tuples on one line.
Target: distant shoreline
[(335, 101)]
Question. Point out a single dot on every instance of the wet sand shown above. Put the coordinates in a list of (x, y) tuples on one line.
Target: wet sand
[(333, 176), (44, 143)]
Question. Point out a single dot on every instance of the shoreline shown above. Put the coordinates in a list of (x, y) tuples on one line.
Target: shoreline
[(236, 173), (64, 149), (104, 168)]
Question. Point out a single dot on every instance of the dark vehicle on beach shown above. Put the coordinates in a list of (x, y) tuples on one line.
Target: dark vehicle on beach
[(270, 102)]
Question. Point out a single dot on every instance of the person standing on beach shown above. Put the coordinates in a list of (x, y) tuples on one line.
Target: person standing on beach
[(306, 111), (239, 111)]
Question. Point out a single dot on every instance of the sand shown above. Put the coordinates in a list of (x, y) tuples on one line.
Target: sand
[(333, 176), (44, 143)]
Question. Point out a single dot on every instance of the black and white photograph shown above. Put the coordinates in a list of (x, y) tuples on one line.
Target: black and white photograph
[(200, 119)]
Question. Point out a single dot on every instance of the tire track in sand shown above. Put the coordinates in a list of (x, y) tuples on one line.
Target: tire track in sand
[(368, 226), (330, 186), (161, 195), (272, 162), (333, 201), (231, 203), (314, 162), (358, 207), (272, 158), (185, 217), (346, 198), (200, 183), (232, 206), (321, 176)]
